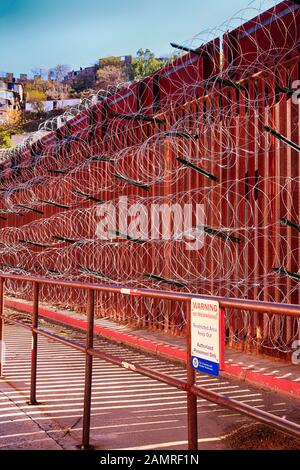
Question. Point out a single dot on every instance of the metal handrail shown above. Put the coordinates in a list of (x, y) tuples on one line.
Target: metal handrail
[(225, 302), (193, 390)]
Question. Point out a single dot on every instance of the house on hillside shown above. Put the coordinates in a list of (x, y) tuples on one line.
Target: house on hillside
[(11, 96)]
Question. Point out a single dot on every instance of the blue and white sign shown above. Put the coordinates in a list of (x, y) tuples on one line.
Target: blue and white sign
[(205, 330)]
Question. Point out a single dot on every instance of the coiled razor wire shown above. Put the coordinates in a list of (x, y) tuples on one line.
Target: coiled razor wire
[(79, 176)]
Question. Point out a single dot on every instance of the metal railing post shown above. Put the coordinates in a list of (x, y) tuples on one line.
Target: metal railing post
[(222, 339), (34, 345), (191, 380), (88, 372), (1, 325)]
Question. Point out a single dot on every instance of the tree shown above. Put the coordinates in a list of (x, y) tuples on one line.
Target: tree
[(37, 98), (79, 84), (39, 107), (60, 71), (110, 76), (146, 63), (14, 121), (53, 88), (35, 95), (59, 90), (110, 61), (37, 84), (5, 139), (112, 72)]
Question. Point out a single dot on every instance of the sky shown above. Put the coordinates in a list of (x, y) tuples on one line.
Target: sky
[(44, 33)]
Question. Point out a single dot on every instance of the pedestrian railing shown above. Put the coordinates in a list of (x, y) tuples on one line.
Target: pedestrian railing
[(189, 385)]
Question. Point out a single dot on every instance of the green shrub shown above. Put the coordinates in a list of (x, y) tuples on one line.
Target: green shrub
[(5, 139)]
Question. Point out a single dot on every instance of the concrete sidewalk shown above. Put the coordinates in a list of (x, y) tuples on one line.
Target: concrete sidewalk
[(269, 373), (129, 411), (27, 433)]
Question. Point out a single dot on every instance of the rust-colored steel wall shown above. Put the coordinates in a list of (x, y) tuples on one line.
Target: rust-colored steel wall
[(216, 109)]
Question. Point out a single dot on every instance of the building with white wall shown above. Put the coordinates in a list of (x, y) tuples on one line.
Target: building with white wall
[(51, 105), (11, 97)]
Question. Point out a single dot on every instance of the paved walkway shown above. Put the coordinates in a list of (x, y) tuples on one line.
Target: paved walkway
[(18, 428), (267, 372), (128, 411)]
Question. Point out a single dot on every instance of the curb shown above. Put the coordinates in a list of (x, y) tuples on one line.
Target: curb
[(168, 351)]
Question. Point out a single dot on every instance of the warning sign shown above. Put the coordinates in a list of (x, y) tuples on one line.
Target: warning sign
[(205, 330)]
